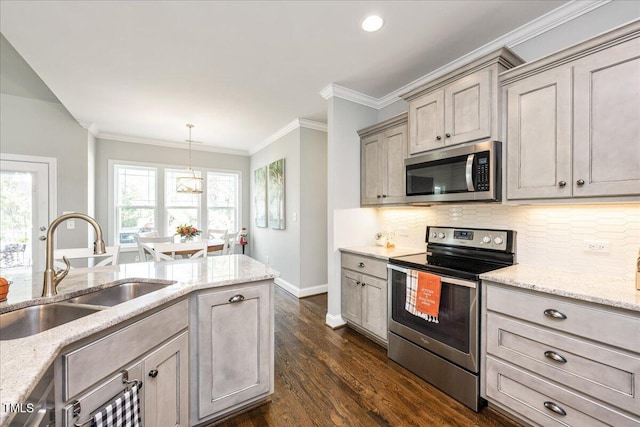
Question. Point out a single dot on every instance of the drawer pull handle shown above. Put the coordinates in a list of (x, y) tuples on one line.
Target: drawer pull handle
[(555, 408), (555, 356), (153, 373), (361, 265), (236, 298), (550, 312)]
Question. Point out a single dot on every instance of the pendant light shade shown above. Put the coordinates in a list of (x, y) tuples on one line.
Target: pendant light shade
[(191, 183)]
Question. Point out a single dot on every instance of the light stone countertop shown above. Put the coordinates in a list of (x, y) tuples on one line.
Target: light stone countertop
[(25, 360), (381, 252), (600, 289)]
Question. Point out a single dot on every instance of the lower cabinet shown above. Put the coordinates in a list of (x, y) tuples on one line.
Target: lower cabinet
[(153, 350), (364, 295), (556, 361), (234, 359)]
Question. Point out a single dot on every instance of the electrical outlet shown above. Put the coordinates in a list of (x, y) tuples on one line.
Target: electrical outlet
[(71, 224), (599, 246)]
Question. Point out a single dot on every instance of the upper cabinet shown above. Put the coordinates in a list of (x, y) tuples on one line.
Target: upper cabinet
[(383, 148), (459, 107), (573, 121)]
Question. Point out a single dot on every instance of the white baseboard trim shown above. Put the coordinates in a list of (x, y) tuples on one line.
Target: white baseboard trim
[(334, 321), (301, 293)]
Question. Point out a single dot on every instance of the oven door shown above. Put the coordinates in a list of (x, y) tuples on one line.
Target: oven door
[(456, 336)]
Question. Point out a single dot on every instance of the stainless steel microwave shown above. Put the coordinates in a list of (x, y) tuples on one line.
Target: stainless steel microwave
[(467, 173)]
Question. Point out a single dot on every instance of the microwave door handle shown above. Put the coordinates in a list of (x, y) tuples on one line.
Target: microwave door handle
[(469, 172)]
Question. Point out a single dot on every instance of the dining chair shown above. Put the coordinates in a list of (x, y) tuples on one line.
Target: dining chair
[(214, 233), (230, 243), (144, 248), (169, 251), (148, 234), (111, 257)]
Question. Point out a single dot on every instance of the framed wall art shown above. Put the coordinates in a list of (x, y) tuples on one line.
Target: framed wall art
[(275, 194), (260, 196)]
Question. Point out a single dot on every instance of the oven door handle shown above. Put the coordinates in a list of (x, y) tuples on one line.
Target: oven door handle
[(446, 279)]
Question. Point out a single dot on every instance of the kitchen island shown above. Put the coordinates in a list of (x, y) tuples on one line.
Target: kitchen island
[(190, 283)]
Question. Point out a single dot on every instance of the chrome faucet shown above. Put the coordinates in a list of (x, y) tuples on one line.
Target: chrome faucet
[(52, 277)]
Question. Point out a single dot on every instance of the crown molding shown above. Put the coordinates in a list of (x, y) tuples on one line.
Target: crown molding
[(297, 123), (170, 144), (538, 26), (91, 127)]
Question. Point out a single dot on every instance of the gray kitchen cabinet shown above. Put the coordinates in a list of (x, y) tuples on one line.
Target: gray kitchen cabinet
[(234, 361), (89, 374), (364, 295), (573, 121), (553, 360), (383, 148), (459, 107), (166, 373)]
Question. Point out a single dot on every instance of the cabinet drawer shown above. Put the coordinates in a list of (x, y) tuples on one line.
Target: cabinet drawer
[(94, 400), (366, 265), (589, 321), (526, 395), (594, 370), (88, 364)]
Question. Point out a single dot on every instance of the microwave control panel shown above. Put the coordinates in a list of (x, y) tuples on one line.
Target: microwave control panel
[(482, 171)]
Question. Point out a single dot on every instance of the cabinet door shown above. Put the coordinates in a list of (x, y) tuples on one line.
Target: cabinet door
[(234, 344), (468, 108), (539, 136), (371, 174), (607, 122), (395, 151), (166, 383), (374, 306), (351, 296), (426, 122)]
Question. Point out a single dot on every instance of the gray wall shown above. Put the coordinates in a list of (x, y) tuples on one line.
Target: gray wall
[(117, 150), (313, 208), (33, 122), (300, 251)]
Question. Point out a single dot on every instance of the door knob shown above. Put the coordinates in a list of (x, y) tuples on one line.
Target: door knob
[(153, 373)]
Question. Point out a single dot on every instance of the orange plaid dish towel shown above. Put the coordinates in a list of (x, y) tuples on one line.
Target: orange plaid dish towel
[(423, 295)]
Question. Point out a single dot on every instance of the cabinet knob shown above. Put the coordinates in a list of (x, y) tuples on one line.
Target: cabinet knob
[(357, 282), (448, 135), (361, 265), (580, 182), (555, 356), (362, 284), (438, 138), (555, 314), (562, 183), (379, 196), (153, 373), (384, 196), (236, 298), (555, 408)]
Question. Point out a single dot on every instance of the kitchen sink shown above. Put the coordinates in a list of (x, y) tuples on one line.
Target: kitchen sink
[(118, 294), (39, 318)]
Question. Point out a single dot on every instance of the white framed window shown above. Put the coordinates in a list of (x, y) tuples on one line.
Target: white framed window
[(135, 201), (144, 198)]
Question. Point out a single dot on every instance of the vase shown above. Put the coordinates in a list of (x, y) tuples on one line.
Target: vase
[(185, 239)]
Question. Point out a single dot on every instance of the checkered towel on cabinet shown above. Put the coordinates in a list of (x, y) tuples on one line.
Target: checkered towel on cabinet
[(124, 411)]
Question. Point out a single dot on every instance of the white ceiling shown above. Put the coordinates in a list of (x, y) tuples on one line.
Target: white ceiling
[(239, 71)]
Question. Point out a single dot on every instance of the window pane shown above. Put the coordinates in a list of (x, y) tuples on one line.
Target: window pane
[(173, 198), (132, 221), (136, 186), (222, 200), (177, 216), (222, 218)]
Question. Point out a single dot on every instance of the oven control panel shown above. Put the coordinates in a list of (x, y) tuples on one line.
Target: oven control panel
[(471, 237)]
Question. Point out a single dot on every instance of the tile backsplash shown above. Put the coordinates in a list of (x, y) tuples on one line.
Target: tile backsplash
[(551, 235)]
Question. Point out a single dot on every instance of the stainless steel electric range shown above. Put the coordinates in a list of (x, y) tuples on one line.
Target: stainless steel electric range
[(446, 353)]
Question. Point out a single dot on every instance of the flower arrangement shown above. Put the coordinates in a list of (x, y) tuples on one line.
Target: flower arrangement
[(187, 232)]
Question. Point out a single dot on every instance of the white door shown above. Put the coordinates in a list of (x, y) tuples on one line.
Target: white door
[(25, 212)]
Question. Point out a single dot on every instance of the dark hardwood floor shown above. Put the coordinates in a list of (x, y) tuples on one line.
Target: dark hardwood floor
[(340, 378)]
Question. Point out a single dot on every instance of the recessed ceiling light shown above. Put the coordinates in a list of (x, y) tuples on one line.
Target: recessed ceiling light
[(372, 23)]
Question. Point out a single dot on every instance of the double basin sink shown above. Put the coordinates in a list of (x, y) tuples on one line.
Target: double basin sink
[(29, 321)]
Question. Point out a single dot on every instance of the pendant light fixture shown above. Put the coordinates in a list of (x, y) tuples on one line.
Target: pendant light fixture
[(191, 183)]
